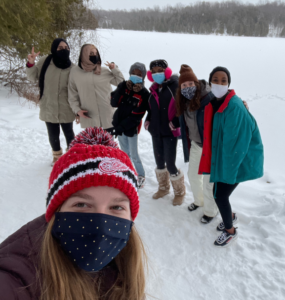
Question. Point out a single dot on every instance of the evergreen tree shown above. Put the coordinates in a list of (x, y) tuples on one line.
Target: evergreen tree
[(27, 23)]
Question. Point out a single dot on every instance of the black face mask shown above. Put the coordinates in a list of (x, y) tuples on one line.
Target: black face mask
[(94, 59), (63, 54), (91, 240)]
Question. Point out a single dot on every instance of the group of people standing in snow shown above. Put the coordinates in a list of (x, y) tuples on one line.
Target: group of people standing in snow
[(94, 185), (221, 140)]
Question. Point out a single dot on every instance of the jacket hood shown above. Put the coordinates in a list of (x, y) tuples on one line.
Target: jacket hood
[(172, 79), (139, 66), (205, 88)]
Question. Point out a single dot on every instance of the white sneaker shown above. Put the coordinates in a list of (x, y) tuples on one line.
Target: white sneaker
[(225, 239)]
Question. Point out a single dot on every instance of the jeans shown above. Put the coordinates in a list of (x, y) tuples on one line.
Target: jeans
[(54, 131), (164, 149), (201, 186), (130, 146), (222, 192)]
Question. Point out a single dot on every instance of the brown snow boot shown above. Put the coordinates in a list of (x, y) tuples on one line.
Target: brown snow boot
[(178, 187), (163, 183), (56, 156)]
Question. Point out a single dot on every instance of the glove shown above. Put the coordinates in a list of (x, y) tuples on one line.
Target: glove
[(113, 131)]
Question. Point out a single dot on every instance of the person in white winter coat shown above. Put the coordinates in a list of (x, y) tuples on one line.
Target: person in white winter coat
[(90, 88)]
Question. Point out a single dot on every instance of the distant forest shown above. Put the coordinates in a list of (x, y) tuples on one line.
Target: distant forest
[(231, 18)]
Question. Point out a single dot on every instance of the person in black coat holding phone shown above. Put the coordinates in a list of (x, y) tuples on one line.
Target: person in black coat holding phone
[(131, 99)]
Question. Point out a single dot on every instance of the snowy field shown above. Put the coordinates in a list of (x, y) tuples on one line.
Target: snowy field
[(183, 263)]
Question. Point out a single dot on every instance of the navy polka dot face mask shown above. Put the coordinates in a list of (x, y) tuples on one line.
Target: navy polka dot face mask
[(91, 240)]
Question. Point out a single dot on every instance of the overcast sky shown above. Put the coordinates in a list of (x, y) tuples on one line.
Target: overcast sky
[(130, 4)]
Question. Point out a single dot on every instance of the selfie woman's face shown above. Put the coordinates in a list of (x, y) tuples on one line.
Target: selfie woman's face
[(187, 84), (220, 78), (100, 199)]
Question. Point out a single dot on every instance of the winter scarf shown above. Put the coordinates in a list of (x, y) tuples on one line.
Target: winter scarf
[(84, 61), (134, 87), (58, 61)]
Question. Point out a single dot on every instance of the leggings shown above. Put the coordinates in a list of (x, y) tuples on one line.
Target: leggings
[(222, 192), (164, 149), (54, 131)]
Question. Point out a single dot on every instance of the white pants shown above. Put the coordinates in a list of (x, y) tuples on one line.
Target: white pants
[(201, 186)]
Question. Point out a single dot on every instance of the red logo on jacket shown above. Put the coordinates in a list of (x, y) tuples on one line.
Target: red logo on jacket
[(112, 165)]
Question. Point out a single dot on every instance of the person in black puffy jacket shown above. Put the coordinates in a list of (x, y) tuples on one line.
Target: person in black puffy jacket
[(163, 125), (131, 100)]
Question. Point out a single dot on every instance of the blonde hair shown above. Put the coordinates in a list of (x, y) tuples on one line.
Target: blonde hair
[(61, 280)]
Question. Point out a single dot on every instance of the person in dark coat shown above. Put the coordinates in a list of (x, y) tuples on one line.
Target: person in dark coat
[(163, 125), (191, 98), (131, 99), (86, 245)]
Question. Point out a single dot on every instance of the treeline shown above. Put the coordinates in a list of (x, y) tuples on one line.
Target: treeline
[(232, 18)]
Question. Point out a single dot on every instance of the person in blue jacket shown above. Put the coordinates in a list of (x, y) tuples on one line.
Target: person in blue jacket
[(232, 149)]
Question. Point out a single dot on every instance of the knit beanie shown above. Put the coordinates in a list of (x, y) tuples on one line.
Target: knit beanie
[(217, 69), (138, 66), (186, 74), (158, 63), (93, 159)]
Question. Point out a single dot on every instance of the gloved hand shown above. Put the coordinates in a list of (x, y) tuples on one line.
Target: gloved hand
[(113, 131)]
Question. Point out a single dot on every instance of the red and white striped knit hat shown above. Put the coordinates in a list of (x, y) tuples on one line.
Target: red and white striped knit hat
[(93, 159)]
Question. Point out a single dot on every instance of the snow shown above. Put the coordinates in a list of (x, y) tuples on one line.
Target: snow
[(183, 263)]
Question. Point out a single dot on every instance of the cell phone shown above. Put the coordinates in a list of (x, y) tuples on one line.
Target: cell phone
[(86, 115)]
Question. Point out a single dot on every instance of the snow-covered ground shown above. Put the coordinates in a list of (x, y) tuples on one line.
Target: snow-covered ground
[(183, 263)]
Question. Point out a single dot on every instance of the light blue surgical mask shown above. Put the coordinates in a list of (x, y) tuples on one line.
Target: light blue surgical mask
[(136, 79), (158, 77)]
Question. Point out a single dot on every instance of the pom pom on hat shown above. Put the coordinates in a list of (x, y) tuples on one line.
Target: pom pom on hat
[(94, 136), (92, 160)]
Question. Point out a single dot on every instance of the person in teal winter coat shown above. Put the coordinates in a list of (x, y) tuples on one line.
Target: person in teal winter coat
[(232, 149)]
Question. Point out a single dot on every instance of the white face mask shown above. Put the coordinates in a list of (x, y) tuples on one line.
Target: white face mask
[(219, 90)]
